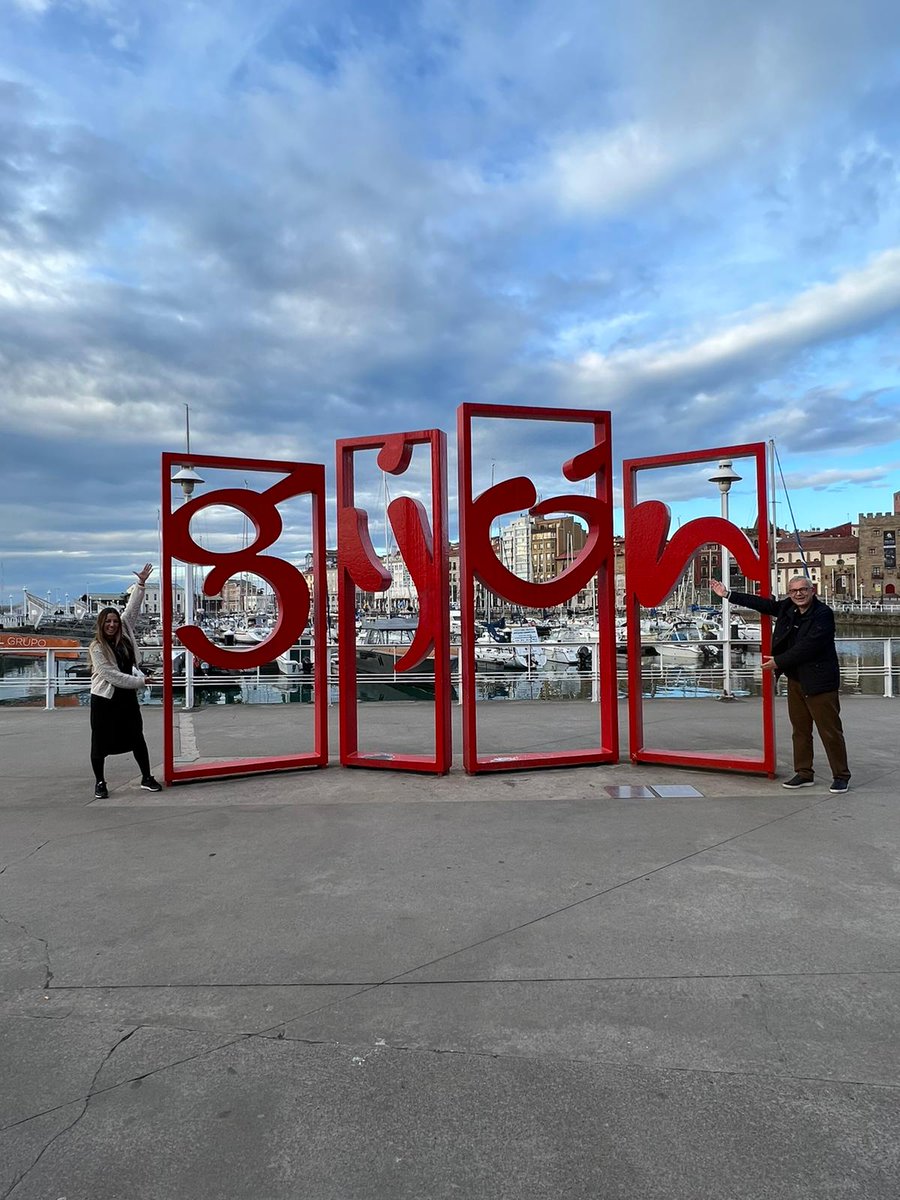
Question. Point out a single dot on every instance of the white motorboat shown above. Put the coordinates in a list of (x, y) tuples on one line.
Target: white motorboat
[(382, 642), (492, 655), (684, 644), (299, 660), (251, 635), (571, 645)]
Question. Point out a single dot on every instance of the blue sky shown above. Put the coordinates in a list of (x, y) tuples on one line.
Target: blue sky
[(327, 219)]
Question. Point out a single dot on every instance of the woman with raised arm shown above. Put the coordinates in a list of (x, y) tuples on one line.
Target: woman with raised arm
[(116, 725)]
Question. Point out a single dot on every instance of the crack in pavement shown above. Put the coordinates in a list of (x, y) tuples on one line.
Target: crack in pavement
[(380, 1045), (270, 1035), (85, 1102), (37, 938), (16, 861), (231, 1041)]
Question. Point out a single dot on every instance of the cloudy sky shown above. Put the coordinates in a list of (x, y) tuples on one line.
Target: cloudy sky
[(311, 219)]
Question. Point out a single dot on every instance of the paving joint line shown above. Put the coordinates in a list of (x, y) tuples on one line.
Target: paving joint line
[(642, 876), (399, 981)]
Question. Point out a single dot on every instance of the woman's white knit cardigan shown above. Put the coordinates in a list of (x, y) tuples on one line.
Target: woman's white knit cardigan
[(105, 674)]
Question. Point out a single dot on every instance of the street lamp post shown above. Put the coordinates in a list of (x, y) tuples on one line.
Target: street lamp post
[(187, 478), (724, 476)]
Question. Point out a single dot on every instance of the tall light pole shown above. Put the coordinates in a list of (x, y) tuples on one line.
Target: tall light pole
[(187, 478), (725, 477)]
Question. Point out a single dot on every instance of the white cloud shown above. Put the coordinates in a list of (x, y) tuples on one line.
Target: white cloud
[(838, 479), (599, 173), (761, 340)]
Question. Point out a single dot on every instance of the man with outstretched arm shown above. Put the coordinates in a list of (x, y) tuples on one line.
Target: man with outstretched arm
[(803, 649)]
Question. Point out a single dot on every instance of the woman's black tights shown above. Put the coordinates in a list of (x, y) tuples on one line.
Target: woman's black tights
[(141, 757)]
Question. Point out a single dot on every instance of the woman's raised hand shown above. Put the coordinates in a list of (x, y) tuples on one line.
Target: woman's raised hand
[(144, 574)]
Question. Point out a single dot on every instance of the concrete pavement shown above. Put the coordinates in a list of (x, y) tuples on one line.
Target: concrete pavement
[(348, 984)]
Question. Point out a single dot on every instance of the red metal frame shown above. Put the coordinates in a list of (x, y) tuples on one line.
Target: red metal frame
[(653, 563), (426, 554), (477, 559), (293, 599)]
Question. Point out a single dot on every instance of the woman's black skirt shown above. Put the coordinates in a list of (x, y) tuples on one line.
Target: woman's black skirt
[(116, 725)]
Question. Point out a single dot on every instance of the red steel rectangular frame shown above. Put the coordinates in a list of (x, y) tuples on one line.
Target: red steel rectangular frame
[(350, 755), (764, 764), (245, 766), (608, 750)]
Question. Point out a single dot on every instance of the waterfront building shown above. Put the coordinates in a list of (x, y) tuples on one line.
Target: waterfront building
[(516, 546), (827, 556), (453, 562), (878, 536), (555, 542)]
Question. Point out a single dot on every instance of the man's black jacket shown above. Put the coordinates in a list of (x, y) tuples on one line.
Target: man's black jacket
[(812, 659)]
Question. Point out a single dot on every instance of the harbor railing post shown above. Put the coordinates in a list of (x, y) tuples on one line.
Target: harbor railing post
[(48, 703), (888, 674)]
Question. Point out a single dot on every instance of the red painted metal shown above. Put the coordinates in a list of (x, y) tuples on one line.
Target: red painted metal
[(654, 562), (425, 552), (478, 560), (288, 584)]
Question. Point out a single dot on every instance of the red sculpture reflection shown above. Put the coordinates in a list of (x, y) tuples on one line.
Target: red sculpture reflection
[(479, 561), (425, 557)]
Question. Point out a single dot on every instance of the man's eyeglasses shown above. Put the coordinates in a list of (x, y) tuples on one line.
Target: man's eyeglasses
[(798, 591)]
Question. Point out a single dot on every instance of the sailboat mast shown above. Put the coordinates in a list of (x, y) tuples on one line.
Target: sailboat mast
[(773, 532)]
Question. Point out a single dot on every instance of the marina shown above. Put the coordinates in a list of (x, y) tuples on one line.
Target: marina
[(48, 676)]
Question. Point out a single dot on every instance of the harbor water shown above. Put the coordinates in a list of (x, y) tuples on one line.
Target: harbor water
[(869, 666)]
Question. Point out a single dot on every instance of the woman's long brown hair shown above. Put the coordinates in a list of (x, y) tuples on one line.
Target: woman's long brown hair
[(107, 646)]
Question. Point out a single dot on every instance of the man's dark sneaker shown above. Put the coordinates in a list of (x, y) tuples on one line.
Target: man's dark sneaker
[(840, 785), (798, 781), (101, 791), (149, 784)]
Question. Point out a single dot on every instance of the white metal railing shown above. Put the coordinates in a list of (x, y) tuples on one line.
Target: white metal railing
[(861, 659)]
